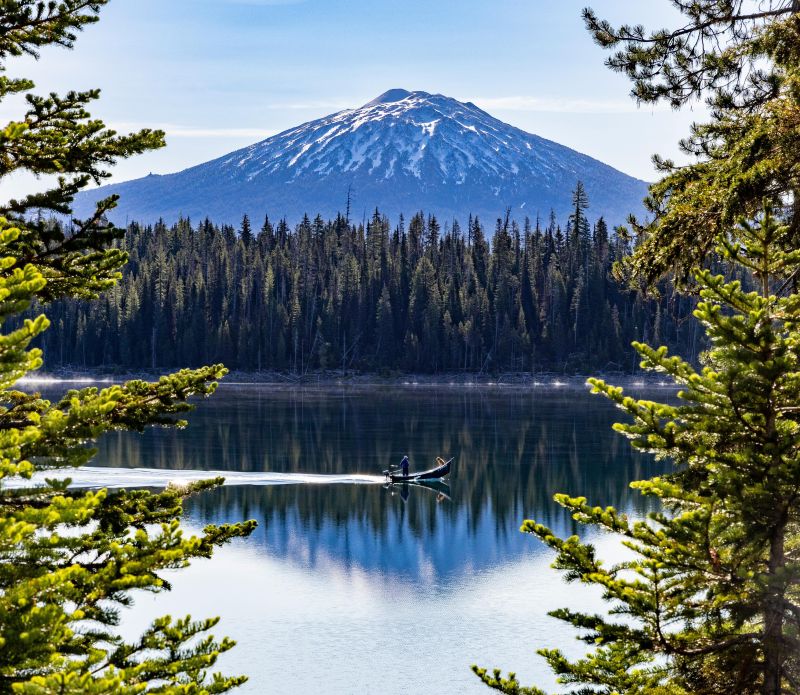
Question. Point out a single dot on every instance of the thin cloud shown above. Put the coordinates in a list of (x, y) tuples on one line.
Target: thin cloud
[(266, 3), (184, 132), (307, 105), (558, 105), (179, 131)]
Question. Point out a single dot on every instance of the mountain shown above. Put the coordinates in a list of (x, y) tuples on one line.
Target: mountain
[(402, 152)]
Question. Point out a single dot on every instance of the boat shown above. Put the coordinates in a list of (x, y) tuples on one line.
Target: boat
[(441, 470)]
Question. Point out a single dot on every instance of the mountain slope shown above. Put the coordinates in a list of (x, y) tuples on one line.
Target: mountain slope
[(401, 152)]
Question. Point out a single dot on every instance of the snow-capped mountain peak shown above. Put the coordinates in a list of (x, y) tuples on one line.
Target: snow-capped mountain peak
[(402, 151), (391, 96), (399, 133)]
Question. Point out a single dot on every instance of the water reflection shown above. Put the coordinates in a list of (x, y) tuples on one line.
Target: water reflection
[(513, 448), (338, 576)]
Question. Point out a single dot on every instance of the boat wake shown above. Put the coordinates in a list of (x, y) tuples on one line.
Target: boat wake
[(99, 477)]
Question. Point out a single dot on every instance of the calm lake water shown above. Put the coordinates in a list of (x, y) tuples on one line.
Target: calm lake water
[(354, 588)]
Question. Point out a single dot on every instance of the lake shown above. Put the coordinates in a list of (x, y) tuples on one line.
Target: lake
[(347, 586)]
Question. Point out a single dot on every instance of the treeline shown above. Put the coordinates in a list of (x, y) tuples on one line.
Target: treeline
[(418, 296)]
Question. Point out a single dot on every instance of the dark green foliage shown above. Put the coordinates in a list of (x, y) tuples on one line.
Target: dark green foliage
[(56, 135), (712, 52), (70, 560), (333, 295), (710, 600), (744, 59)]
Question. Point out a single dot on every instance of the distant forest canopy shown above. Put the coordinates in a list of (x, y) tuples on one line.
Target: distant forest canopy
[(420, 296)]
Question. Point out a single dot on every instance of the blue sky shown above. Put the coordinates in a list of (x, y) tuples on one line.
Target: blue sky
[(220, 74)]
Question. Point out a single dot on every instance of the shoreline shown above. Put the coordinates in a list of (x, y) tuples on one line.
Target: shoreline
[(358, 379)]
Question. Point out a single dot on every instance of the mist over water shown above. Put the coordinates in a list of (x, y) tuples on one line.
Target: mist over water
[(350, 586)]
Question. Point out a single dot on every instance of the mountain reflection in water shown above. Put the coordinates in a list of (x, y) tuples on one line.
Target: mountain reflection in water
[(514, 448)]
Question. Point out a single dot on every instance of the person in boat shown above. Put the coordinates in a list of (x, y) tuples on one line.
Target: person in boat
[(404, 465)]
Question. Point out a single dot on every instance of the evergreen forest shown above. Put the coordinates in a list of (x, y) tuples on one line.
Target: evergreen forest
[(417, 296)]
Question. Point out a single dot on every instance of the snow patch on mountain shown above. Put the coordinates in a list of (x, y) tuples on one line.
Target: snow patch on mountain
[(397, 132), (401, 152)]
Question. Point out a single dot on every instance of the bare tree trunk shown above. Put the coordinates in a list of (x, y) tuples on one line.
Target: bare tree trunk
[(774, 643), (794, 223)]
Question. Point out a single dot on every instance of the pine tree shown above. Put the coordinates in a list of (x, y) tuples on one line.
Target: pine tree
[(745, 61), (246, 231), (578, 220), (70, 559), (385, 327), (711, 598)]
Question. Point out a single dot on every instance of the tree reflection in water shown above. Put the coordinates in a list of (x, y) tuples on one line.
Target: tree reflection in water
[(514, 448)]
